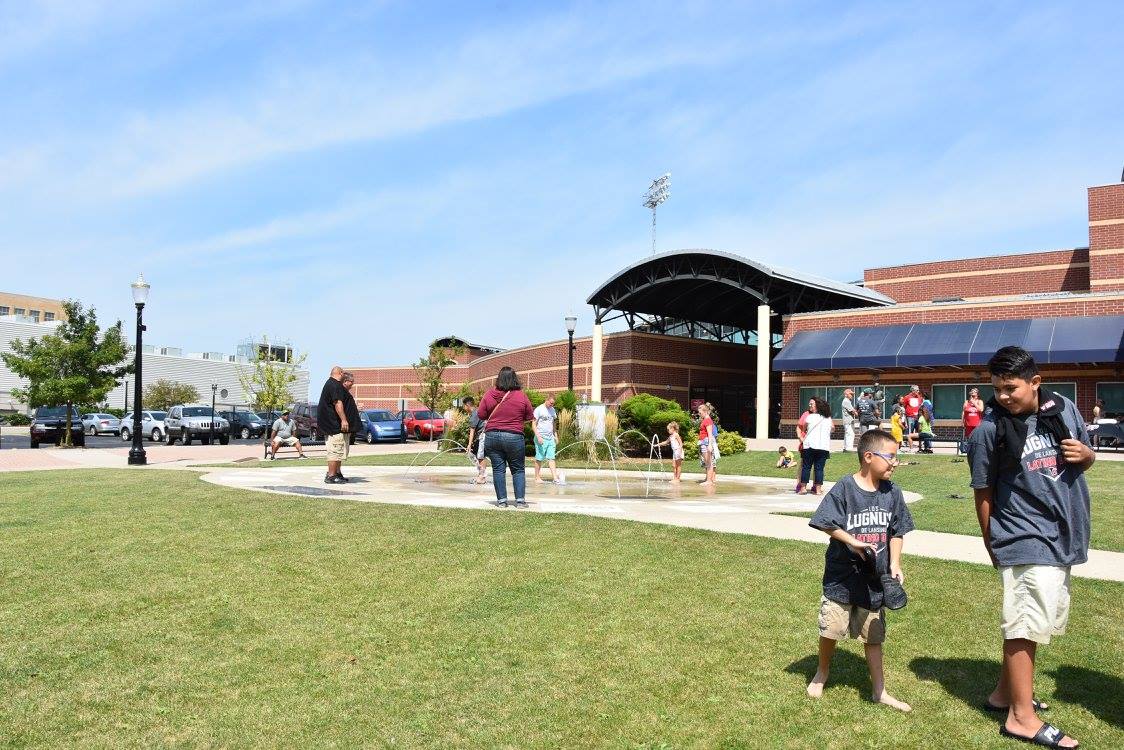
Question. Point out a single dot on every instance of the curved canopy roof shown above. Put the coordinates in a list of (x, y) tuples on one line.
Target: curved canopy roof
[(453, 341), (721, 288)]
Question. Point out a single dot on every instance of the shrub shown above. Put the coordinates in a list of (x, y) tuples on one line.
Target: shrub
[(456, 435), (17, 419), (535, 397), (566, 400), (657, 423), (730, 443), (567, 428), (115, 412), (636, 412)]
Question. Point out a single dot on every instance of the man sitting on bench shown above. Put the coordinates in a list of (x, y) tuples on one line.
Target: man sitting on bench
[(282, 434)]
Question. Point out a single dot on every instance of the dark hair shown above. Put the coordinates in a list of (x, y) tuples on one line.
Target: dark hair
[(507, 380), (823, 408), (1012, 362), (873, 439), (468, 400)]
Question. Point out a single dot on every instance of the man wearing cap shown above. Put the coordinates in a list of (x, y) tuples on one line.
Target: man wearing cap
[(850, 413), (282, 434), (869, 416)]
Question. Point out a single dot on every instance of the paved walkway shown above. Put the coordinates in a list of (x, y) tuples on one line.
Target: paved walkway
[(752, 512)]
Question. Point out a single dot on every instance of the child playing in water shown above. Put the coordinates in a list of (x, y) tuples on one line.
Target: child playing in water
[(675, 440), (785, 459)]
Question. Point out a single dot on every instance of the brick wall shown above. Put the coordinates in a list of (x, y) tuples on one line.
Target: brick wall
[(1106, 237), (1048, 271), (632, 363)]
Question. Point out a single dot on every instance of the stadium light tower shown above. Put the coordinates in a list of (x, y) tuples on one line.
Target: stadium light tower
[(658, 192)]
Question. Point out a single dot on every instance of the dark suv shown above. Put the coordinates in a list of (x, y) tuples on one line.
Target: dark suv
[(304, 416), (244, 424), (49, 426)]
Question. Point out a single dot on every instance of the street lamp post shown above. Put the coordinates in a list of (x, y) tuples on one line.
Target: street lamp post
[(214, 390), (137, 455), (571, 324)]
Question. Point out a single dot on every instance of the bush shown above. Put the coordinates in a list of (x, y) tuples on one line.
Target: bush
[(566, 401), (730, 443), (636, 412), (535, 397), (456, 436), (17, 419), (115, 412)]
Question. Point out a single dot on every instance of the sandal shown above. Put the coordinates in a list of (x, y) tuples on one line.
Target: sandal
[(1048, 736), (1038, 706)]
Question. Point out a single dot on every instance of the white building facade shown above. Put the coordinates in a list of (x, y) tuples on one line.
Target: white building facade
[(200, 370)]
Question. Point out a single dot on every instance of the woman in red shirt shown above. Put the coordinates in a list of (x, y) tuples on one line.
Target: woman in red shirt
[(973, 412), (708, 444), (506, 407)]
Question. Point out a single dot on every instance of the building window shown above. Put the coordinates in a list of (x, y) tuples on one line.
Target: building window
[(48, 316), (833, 395), (1113, 396), (34, 315), (4, 310), (19, 311), (948, 399)]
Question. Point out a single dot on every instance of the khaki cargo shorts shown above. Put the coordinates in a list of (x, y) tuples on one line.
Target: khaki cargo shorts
[(1035, 601), (289, 441), (337, 446), (840, 621)]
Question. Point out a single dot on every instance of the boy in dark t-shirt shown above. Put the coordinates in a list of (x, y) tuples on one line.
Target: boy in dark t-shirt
[(863, 511), (1028, 458)]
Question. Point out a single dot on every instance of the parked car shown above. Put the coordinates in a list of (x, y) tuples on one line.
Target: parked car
[(303, 415), (380, 425), (99, 424), (244, 424), (152, 426), (48, 425), (188, 422), (422, 423)]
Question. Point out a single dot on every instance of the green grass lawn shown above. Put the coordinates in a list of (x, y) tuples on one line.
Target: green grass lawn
[(148, 608), (942, 480)]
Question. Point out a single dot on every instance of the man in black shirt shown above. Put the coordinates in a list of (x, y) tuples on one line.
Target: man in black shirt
[(331, 419)]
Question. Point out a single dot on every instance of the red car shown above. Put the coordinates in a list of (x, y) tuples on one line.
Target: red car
[(423, 423)]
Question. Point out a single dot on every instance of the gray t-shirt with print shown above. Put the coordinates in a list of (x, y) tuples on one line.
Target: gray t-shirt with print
[(873, 517), (1039, 514)]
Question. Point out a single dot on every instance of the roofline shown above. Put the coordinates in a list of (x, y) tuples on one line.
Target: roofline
[(468, 343), (786, 274), (973, 257)]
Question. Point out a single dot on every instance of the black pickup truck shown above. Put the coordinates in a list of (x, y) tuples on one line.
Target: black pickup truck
[(49, 426)]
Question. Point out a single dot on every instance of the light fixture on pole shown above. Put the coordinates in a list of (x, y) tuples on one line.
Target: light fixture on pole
[(137, 455), (658, 192), (571, 324), (214, 391)]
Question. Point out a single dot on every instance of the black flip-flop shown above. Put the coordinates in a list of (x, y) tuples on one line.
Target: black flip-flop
[(1038, 706), (1048, 736)]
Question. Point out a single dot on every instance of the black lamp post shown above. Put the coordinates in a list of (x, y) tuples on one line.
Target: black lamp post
[(137, 456), (571, 324), (214, 390)]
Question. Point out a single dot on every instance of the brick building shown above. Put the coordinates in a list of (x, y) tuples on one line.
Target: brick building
[(931, 324)]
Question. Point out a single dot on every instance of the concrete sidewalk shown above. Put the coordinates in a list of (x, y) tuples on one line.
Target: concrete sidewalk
[(752, 512)]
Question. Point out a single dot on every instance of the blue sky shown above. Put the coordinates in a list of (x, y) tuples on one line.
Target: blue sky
[(363, 177)]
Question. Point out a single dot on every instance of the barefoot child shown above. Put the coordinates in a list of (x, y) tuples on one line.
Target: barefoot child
[(784, 458), (1028, 458), (675, 440), (862, 511)]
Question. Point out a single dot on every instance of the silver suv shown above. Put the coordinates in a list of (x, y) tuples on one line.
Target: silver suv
[(152, 425), (187, 422)]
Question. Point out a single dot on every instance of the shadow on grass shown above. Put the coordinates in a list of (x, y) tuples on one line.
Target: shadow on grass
[(1097, 692), (847, 668), (971, 680)]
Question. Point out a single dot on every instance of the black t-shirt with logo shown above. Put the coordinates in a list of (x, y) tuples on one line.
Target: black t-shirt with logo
[(327, 420), (872, 517)]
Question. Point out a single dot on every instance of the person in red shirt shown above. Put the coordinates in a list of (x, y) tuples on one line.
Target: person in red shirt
[(708, 444), (973, 412), (506, 407), (913, 403)]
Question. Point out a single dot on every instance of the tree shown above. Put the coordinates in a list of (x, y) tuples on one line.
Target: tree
[(76, 365), (430, 372), (164, 394), (269, 380)]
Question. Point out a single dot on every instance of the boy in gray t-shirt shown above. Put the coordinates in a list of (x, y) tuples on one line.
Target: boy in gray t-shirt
[(1028, 460)]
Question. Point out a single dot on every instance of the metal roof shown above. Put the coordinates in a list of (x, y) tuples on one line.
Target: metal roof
[(453, 340), (722, 288)]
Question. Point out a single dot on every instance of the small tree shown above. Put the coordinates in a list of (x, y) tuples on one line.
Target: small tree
[(430, 372), (269, 380), (76, 365), (164, 394)]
